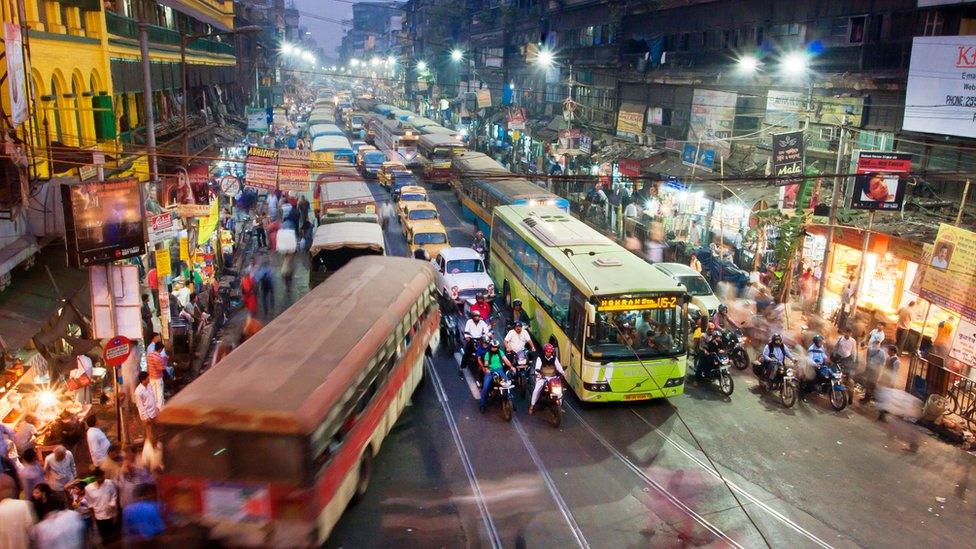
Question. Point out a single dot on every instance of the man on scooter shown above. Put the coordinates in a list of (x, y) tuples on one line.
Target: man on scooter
[(546, 367), (817, 355), (474, 330), (707, 357), (518, 313), (493, 364), (774, 351)]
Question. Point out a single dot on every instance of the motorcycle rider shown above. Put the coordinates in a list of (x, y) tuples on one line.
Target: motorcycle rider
[(474, 329), (516, 340), (546, 367), (479, 244), (817, 355), (709, 357), (493, 364), (774, 351), (518, 313), (481, 305), (721, 318)]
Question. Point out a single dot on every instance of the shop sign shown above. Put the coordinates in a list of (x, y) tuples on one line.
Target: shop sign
[(164, 263), (125, 304), (788, 109), (229, 185), (294, 172), (585, 144), (184, 248), (261, 168), (964, 343), (117, 350), (788, 164), (711, 121), (16, 79), (941, 93), (87, 171), (630, 118), (484, 98), (950, 274), (321, 161), (257, 120), (161, 227), (516, 118), (672, 144), (188, 191), (637, 303), (103, 221), (629, 167), (208, 225), (879, 183), (693, 155)]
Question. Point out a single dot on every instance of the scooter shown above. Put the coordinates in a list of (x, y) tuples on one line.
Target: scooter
[(718, 370), (830, 381), (501, 390), (785, 381), (552, 398), (734, 341)]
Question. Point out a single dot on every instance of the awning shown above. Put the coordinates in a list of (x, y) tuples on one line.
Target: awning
[(32, 300)]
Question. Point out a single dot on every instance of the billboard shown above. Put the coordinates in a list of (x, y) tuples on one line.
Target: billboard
[(712, 118), (261, 168), (103, 222), (950, 273), (941, 93), (693, 155), (13, 46), (788, 109), (630, 118), (293, 170), (879, 182), (162, 227), (788, 164)]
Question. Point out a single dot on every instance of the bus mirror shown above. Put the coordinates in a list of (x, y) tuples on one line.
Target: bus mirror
[(590, 314), (686, 299)]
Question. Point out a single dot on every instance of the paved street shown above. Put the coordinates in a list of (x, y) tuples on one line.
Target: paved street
[(633, 476)]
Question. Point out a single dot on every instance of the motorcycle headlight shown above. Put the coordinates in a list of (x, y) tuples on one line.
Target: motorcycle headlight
[(789, 371), (557, 390)]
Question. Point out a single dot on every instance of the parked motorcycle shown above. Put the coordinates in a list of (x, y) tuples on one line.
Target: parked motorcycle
[(785, 381), (830, 381), (735, 343), (501, 390), (717, 370), (552, 399)]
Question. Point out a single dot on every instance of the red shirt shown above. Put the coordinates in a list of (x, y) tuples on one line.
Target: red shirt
[(155, 365), (484, 308), (152, 279)]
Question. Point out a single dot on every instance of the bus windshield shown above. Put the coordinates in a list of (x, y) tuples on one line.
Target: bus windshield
[(407, 141), (442, 153), (637, 333), (205, 452), (430, 238)]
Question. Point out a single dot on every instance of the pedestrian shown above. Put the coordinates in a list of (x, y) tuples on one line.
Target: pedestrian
[(632, 244), (146, 404), (44, 499), (694, 263), (112, 464), (62, 528), (142, 519), (807, 287), (97, 441), (81, 377), (249, 294), (31, 472), (266, 283), (906, 316), (287, 273), (133, 474), (694, 235), (260, 235), (60, 468), (887, 381), (146, 312), (874, 358), (251, 326), (101, 496), (17, 516), (844, 356), (24, 434), (303, 208), (156, 360), (152, 280)]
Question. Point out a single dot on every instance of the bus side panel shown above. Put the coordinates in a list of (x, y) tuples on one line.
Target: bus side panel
[(336, 485)]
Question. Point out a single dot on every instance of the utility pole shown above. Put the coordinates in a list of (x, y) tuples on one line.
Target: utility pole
[(834, 203), (147, 97)]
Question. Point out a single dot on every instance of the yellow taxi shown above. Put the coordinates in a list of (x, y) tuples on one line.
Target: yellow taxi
[(417, 212), (410, 193), (429, 236), (385, 175)]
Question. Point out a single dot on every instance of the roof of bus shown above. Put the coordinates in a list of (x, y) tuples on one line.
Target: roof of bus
[(322, 129), (515, 188), (412, 189), (286, 377), (610, 270), (437, 130), (345, 191), (480, 163), (331, 142), (421, 122), (440, 140)]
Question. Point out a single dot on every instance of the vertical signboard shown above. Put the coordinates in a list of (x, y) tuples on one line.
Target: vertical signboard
[(879, 183), (788, 164), (711, 122), (125, 304), (293, 170), (950, 274), (16, 79), (261, 168)]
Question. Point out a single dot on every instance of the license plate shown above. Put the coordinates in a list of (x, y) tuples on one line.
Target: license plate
[(639, 396)]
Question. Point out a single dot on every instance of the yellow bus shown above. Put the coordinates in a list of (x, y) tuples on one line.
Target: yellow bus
[(619, 324)]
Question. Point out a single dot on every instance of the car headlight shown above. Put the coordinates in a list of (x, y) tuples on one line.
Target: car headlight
[(454, 292)]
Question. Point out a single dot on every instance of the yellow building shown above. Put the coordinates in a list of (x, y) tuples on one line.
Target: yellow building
[(84, 62)]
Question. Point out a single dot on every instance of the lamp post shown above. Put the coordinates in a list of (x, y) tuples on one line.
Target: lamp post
[(184, 40)]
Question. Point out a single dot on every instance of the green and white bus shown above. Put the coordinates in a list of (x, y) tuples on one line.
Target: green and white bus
[(620, 324)]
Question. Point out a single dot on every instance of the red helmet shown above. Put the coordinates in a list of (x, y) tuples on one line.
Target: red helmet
[(548, 348)]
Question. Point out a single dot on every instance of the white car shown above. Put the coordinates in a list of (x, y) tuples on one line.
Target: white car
[(461, 275), (702, 297)]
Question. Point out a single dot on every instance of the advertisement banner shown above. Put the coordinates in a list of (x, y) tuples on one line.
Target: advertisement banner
[(711, 121), (788, 164), (164, 264), (941, 93), (294, 173), (630, 118), (13, 46), (188, 191), (629, 167), (161, 227), (789, 109), (261, 168), (321, 161), (208, 225), (879, 183), (692, 155), (950, 275), (964, 343), (257, 120), (103, 222), (516, 118), (184, 248), (484, 98), (585, 144)]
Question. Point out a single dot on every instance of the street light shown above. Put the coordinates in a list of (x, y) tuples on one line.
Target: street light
[(748, 64), (186, 39), (374, 61), (545, 58), (354, 62), (391, 60), (421, 66), (457, 55), (795, 64)]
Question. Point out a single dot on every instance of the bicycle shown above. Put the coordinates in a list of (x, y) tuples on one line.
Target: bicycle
[(962, 398)]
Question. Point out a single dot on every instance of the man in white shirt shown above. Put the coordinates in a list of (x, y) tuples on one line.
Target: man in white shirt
[(183, 294), (102, 498), (517, 339), (16, 516), (146, 404), (97, 441), (845, 356), (59, 467), (474, 329)]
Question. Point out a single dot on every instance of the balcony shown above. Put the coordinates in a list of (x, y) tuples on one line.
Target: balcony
[(129, 28)]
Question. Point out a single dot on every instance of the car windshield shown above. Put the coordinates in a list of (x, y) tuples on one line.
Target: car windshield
[(697, 285), (413, 197), (459, 266), (636, 333), (403, 178), (414, 215), (430, 238)]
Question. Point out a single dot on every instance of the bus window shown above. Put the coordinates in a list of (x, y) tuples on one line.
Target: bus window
[(230, 455), (627, 335)]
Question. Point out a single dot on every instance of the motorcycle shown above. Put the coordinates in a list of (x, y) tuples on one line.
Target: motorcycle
[(830, 381), (501, 390), (471, 360), (552, 398), (719, 369), (522, 370), (734, 341), (785, 381)]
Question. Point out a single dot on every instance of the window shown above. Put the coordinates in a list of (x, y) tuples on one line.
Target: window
[(933, 23)]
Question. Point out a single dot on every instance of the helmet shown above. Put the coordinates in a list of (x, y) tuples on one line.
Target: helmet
[(480, 296), (495, 343), (818, 340), (475, 312), (722, 309), (717, 334), (517, 324), (548, 348), (517, 303), (774, 337)]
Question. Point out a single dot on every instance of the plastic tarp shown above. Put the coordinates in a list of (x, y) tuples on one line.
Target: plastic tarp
[(348, 234)]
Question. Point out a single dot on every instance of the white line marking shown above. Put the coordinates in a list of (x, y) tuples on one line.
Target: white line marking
[(479, 496), (754, 500), (653, 483), (551, 486)]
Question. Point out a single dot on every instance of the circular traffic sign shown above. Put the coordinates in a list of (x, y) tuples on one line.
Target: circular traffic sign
[(117, 350)]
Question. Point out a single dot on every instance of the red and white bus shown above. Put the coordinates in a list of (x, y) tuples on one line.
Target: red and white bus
[(396, 138), (269, 446), (436, 152)]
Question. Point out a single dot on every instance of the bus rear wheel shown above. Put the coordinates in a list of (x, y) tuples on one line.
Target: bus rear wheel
[(365, 471)]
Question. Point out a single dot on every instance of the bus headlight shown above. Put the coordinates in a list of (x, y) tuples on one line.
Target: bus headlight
[(601, 387), (674, 382)]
